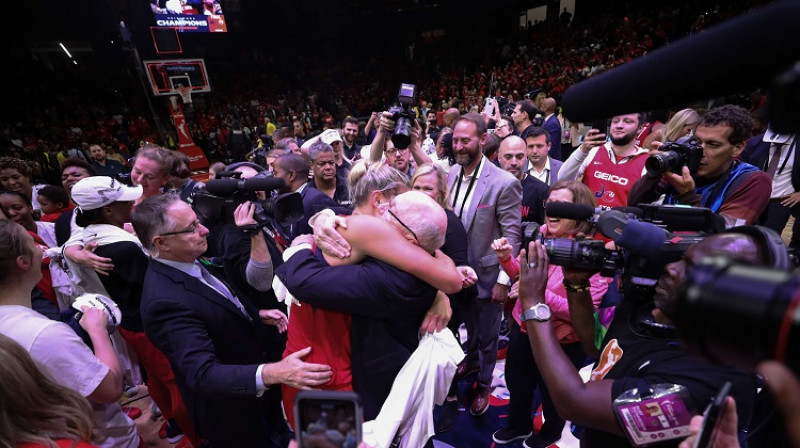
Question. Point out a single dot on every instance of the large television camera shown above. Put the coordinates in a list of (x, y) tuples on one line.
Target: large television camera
[(216, 204), (722, 299), (647, 238), (403, 115)]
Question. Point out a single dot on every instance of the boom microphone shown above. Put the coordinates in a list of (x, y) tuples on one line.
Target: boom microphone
[(743, 53), (227, 187), (569, 210), (222, 187)]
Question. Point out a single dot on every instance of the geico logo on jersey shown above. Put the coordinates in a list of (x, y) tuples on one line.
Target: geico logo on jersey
[(611, 178)]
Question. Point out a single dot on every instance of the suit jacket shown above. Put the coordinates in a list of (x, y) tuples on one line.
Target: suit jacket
[(493, 212), (756, 152), (553, 127), (214, 351), (314, 201), (387, 304), (555, 167)]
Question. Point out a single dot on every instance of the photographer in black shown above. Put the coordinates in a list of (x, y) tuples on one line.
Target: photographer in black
[(639, 350), (738, 191)]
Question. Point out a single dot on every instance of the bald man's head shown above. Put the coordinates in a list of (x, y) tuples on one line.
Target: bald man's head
[(423, 216), (450, 116), (549, 105), (512, 156)]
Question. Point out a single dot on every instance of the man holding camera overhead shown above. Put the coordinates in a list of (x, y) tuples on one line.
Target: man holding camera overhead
[(738, 191)]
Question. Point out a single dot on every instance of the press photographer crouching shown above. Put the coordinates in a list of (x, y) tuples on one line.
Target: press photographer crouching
[(643, 387), (738, 191)]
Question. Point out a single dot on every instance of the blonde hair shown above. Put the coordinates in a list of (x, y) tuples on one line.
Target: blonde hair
[(33, 407), (673, 128), (166, 159), (441, 181), (366, 177)]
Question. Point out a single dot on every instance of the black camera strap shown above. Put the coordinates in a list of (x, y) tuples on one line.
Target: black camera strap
[(469, 187)]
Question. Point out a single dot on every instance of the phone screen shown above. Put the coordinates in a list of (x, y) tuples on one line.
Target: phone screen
[(328, 419)]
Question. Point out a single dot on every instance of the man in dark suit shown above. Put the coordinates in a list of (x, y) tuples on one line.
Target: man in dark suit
[(388, 305), (553, 127), (540, 165), (512, 156), (214, 341), (487, 200), (293, 169), (777, 155)]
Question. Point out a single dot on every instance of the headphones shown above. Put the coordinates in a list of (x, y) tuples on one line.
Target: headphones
[(771, 242)]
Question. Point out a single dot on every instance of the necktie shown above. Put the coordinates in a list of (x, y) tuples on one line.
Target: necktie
[(773, 161), (222, 289)]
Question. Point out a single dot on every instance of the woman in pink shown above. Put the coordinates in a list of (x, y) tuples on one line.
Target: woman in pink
[(522, 376)]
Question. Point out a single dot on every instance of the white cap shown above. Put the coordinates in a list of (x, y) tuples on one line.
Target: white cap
[(330, 136), (94, 192)]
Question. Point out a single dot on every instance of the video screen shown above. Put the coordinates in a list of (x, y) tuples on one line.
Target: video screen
[(190, 16)]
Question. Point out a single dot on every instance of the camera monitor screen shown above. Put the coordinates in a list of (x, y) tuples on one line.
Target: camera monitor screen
[(328, 420), (194, 16)]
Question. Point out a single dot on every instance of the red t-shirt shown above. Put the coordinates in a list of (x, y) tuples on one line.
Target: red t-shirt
[(611, 182)]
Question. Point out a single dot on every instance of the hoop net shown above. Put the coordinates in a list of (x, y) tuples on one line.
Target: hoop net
[(186, 93)]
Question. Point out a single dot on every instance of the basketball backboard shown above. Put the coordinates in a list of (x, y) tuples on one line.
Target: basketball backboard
[(166, 75)]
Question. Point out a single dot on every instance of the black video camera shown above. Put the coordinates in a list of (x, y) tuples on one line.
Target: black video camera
[(643, 233), (722, 299), (673, 156), (579, 254), (221, 197), (403, 116)]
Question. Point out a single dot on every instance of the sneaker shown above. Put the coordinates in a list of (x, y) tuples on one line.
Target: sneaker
[(508, 435), (132, 411), (155, 412), (540, 440), (130, 390), (171, 432)]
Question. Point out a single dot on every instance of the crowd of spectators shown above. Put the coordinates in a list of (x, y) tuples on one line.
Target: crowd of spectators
[(90, 185)]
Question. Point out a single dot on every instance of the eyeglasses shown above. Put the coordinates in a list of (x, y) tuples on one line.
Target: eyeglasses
[(402, 223), (191, 229), (394, 150)]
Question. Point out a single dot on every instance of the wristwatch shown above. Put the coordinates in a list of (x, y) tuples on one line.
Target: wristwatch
[(540, 312)]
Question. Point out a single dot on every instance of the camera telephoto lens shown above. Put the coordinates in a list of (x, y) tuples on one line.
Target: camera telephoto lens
[(739, 315)]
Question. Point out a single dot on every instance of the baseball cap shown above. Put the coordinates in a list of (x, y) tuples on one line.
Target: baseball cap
[(95, 192), (330, 136)]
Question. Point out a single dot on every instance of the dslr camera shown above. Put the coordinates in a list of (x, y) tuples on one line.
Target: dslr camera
[(403, 116), (673, 156), (219, 200)]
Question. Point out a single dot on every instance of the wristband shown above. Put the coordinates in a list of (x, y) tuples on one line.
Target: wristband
[(251, 229), (576, 288)]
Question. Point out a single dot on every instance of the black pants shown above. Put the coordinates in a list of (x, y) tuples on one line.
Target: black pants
[(522, 378), (776, 216)]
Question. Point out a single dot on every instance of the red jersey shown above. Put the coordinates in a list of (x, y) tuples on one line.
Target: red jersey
[(611, 180), (328, 334)]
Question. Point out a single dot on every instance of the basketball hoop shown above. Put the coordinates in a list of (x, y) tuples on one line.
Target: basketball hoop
[(186, 93)]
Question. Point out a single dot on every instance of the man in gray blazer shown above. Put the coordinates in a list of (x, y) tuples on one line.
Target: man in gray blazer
[(540, 165), (487, 199)]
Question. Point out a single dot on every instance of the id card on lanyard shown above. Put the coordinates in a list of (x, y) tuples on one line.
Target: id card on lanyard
[(656, 415)]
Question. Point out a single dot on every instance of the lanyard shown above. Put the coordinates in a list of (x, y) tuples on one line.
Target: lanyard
[(469, 187)]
